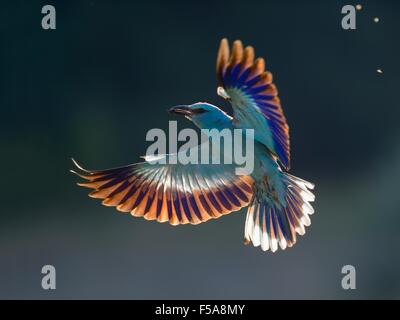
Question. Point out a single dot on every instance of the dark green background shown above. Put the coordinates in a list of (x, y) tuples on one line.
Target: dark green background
[(93, 87)]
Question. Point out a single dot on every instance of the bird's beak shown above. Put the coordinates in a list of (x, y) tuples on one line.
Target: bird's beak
[(183, 110)]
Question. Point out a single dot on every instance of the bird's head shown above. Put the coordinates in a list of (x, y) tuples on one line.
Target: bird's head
[(203, 115)]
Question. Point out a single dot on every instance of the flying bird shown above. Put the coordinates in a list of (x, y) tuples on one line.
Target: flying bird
[(278, 202)]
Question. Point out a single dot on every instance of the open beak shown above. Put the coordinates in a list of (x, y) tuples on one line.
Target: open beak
[(183, 110)]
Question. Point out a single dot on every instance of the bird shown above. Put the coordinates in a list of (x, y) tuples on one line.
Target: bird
[(278, 203)]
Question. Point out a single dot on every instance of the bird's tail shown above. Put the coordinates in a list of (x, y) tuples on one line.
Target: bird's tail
[(270, 223)]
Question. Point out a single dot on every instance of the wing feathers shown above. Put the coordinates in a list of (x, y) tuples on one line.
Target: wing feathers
[(248, 57), (223, 56), (249, 86), (173, 193)]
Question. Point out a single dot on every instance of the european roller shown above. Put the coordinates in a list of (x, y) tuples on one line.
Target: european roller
[(278, 202)]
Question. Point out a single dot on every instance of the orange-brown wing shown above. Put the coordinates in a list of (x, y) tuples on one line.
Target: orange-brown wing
[(254, 98), (179, 194)]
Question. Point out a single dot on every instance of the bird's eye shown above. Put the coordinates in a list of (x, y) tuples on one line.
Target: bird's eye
[(199, 111)]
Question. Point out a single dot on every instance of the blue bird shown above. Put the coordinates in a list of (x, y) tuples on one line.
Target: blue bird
[(278, 203)]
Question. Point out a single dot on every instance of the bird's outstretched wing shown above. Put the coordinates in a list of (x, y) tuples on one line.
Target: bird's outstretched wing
[(254, 97), (179, 194)]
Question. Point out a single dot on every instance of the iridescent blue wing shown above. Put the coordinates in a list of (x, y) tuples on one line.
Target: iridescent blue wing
[(254, 98), (178, 194)]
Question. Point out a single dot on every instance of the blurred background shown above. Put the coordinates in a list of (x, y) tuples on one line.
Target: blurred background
[(93, 87)]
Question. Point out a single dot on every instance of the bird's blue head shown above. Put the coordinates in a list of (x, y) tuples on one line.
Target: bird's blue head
[(204, 115)]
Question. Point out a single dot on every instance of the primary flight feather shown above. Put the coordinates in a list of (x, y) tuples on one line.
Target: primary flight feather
[(278, 203)]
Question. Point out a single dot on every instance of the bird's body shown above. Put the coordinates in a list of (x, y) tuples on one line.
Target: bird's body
[(193, 193)]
